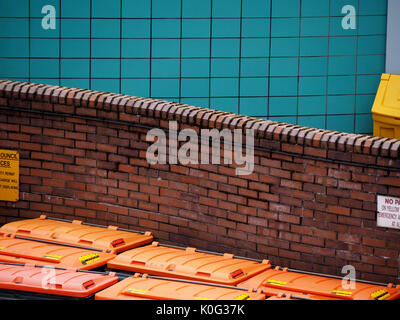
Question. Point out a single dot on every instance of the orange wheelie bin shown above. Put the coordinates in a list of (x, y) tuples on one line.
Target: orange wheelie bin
[(187, 263), (110, 239), (144, 287), (18, 281), (25, 251), (277, 280)]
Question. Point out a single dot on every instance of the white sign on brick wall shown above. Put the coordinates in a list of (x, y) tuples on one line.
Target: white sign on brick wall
[(388, 212)]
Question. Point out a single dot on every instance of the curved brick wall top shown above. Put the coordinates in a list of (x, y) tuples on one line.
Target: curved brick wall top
[(294, 139)]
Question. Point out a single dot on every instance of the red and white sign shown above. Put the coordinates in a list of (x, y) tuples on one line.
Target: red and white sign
[(388, 212)]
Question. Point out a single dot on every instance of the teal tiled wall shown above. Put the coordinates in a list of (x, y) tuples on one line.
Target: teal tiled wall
[(287, 60)]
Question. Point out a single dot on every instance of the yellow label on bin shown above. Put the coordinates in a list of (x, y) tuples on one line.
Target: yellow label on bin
[(9, 175), (52, 256), (133, 290), (89, 258)]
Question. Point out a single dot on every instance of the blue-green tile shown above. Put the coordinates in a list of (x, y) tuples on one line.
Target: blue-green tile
[(372, 25), (106, 9), (14, 27), (254, 67), (315, 8), (195, 48), (312, 86), (344, 123), (136, 9), (341, 84), (368, 84), (314, 27), (336, 28), (224, 67), (371, 64), (106, 28), (45, 48), (197, 102), (343, 45), (75, 83), (284, 106), (283, 27), (37, 30), (285, 8), (195, 87), (256, 8), (166, 28), (337, 6), (49, 81), (312, 105), (75, 28), (254, 107), (165, 48), (136, 87), (255, 27), (196, 28), (372, 45), (69, 48), (312, 122), (285, 119), (372, 7), (166, 9), (364, 124), (165, 87), (225, 48), (224, 87), (75, 68), (196, 9), (364, 103), (313, 66), (44, 68), (284, 67), (225, 104), (13, 68), (136, 48), (342, 65), (254, 48), (14, 47), (165, 68), (340, 104), (314, 46), (105, 68), (106, 85), (226, 28), (38, 6), (195, 67), (14, 8), (105, 48), (283, 86), (284, 47), (256, 87), (75, 9), (135, 68), (226, 8), (136, 28)]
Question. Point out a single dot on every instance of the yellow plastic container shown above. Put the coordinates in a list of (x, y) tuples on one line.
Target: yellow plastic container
[(386, 108)]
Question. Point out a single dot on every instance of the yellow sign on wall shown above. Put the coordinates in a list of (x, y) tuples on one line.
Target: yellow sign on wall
[(9, 175)]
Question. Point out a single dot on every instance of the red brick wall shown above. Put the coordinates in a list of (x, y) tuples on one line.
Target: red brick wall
[(310, 203)]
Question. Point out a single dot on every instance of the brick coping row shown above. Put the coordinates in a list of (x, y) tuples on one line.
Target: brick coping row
[(84, 102)]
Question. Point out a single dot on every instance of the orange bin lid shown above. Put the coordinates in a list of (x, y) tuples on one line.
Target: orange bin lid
[(29, 278), (76, 232), (276, 281), (146, 288), (26, 251), (187, 264)]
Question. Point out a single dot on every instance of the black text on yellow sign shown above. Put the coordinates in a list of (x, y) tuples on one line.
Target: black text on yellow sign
[(9, 175)]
